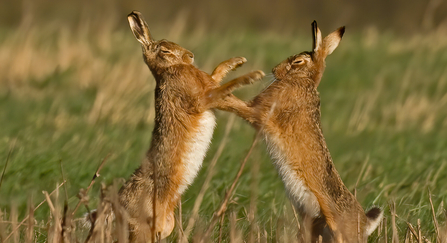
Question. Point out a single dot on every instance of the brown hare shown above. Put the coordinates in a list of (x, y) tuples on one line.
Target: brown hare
[(182, 132), (287, 113)]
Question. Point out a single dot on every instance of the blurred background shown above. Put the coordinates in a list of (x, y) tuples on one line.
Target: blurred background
[(265, 15), (74, 89)]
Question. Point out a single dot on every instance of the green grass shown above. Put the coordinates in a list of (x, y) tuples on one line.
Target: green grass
[(71, 98)]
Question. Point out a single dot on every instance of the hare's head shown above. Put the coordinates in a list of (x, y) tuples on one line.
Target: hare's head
[(157, 54), (310, 64)]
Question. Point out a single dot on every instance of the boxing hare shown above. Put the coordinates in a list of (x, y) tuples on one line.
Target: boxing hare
[(288, 115), (182, 132)]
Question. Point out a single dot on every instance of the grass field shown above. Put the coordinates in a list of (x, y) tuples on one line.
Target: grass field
[(70, 98)]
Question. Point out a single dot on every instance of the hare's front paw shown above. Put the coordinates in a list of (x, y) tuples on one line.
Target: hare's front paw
[(236, 62), (254, 76)]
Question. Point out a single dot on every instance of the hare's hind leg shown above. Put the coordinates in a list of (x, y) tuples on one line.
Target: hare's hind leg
[(224, 67), (319, 228), (168, 225)]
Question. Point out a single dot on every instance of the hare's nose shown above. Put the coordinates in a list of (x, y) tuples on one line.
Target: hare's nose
[(188, 57)]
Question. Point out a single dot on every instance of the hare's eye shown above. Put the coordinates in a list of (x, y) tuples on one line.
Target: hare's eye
[(298, 61), (165, 51)]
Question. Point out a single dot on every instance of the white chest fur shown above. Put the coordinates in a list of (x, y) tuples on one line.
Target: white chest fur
[(196, 149), (300, 195)]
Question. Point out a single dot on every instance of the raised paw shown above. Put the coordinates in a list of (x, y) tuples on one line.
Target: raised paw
[(236, 62), (254, 76), (224, 67)]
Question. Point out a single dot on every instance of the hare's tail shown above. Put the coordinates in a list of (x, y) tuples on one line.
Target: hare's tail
[(374, 216)]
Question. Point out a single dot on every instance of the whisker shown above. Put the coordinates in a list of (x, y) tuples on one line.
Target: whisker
[(272, 80)]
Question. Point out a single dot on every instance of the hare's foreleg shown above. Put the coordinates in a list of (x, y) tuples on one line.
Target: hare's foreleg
[(224, 67), (218, 93)]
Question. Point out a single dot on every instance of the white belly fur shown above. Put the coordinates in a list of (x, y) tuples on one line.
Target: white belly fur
[(196, 149), (300, 195)]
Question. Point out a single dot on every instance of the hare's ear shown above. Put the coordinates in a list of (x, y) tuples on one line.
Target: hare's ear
[(331, 41), (139, 28), (316, 33)]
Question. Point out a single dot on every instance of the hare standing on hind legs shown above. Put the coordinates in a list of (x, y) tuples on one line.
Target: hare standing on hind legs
[(182, 132), (288, 115)]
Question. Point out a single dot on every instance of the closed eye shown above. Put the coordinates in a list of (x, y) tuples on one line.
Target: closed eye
[(299, 61), (164, 50)]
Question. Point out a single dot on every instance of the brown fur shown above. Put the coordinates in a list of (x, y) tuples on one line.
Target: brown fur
[(288, 114), (183, 97)]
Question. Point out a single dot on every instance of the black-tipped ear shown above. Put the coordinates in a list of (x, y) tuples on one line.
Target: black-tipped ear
[(342, 31), (331, 41), (316, 34), (139, 28)]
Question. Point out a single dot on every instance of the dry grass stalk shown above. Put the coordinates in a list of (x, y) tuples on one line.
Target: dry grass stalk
[(393, 222), (362, 170), (63, 179), (286, 229), (121, 218), (444, 235), (15, 228), (91, 182), (110, 222), (279, 223), (109, 229), (411, 228), (97, 231), (221, 228), (435, 221), (30, 226), (68, 227), (385, 229), (228, 195), (253, 201), (13, 218), (407, 236), (299, 234), (179, 221), (304, 233), (419, 231), (55, 231), (417, 234), (7, 161), (2, 227), (444, 232), (235, 234), (4, 168)]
